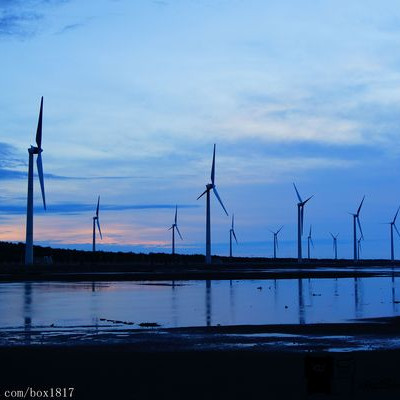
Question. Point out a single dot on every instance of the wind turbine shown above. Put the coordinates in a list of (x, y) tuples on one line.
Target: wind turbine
[(309, 241), (231, 233), (300, 221), (276, 239), (209, 187), (173, 227), (29, 208), (96, 221), (356, 221), (393, 225), (334, 244)]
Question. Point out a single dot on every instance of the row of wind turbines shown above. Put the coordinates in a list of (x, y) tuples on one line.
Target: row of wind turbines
[(210, 187)]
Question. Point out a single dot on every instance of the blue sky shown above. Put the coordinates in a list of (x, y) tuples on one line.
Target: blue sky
[(137, 93)]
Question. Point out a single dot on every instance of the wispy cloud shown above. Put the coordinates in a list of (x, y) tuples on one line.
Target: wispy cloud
[(78, 208), (20, 18)]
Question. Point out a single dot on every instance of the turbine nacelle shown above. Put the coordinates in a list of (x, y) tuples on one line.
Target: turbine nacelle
[(35, 150), (300, 206)]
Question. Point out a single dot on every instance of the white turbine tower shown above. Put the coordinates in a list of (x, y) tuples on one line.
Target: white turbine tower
[(173, 227), (334, 244), (356, 221), (300, 222), (309, 241), (29, 209), (96, 221), (209, 187), (232, 233), (393, 225), (276, 240)]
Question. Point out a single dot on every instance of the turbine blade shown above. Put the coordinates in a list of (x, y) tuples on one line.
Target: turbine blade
[(41, 178), (304, 202), (394, 219), (310, 231), (171, 227), (279, 229), (98, 205), (235, 236), (176, 214), (232, 220), (219, 199), (333, 237), (312, 243), (177, 229), (297, 192), (359, 208), (202, 194), (276, 241), (98, 226), (359, 225), (39, 126), (395, 227), (213, 167)]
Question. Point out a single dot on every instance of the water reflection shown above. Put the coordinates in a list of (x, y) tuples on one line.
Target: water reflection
[(27, 311), (302, 318), (208, 303), (232, 302), (358, 297), (194, 303), (394, 301), (174, 304)]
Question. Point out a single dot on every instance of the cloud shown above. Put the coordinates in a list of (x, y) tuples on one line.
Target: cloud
[(70, 27), (78, 208), (19, 18)]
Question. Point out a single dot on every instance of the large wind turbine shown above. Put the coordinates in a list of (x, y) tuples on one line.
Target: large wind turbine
[(300, 221), (393, 225), (276, 239), (309, 241), (232, 233), (356, 221), (173, 227), (96, 221), (209, 187), (334, 244), (29, 209)]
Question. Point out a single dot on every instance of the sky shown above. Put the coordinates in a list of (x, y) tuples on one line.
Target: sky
[(137, 93)]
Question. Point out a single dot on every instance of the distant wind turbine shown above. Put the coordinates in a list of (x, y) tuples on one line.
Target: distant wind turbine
[(209, 187), (173, 227), (276, 240), (300, 222), (232, 233), (393, 225), (96, 221), (29, 209), (309, 241), (356, 221), (334, 244)]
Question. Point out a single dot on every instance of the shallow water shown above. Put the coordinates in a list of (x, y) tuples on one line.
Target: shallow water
[(195, 303)]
